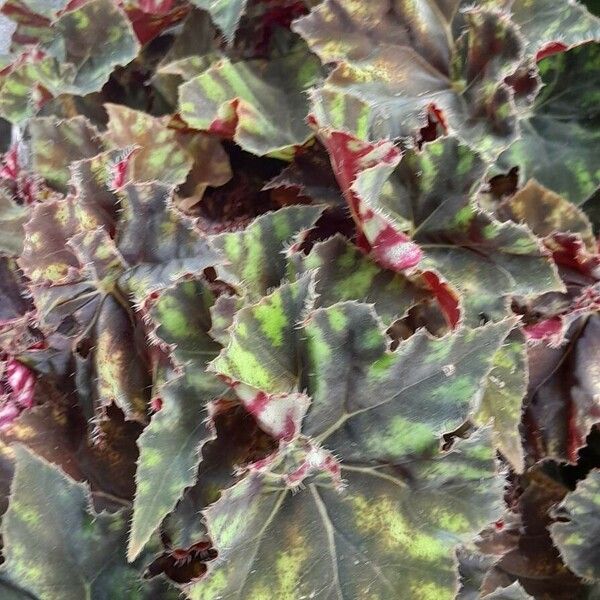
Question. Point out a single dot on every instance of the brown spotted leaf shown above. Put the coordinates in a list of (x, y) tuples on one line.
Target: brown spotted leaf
[(545, 212)]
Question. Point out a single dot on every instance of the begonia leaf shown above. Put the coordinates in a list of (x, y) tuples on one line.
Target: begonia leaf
[(89, 42), (545, 212), (270, 542), (544, 22), (502, 401), (269, 236), (157, 240), (55, 145), (69, 559), (262, 105), (12, 220), (170, 450), (563, 400), (160, 157), (399, 59), (263, 350), (576, 534), (562, 127), (343, 272), (417, 212), (180, 428), (225, 13)]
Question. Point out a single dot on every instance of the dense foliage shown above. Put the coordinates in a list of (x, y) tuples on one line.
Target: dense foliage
[(300, 299)]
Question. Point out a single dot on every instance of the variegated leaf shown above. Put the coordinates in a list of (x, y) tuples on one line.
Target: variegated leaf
[(225, 13), (255, 259), (160, 156), (88, 43), (56, 144), (157, 240), (562, 127), (327, 544), (12, 219), (545, 212), (402, 58), (416, 212), (263, 350), (261, 104), (343, 272), (502, 400), (78, 554), (576, 534)]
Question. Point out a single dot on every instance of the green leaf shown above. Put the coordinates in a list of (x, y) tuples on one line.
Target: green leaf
[(544, 21), (255, 259), (426, 199), (318, 541), (225, 13), (399, 59), (343, 272), (368, 402), (545, 212), (170, 451), (562, 127), (77, 554), (12, 219), (263, 346), (55, 144), (170, 447), (183, 320), (576, 535), (363, 397), (160, 157), (88, 43), (22, 86), (74, 274), (502, 401), (239, 441), (157, 240), (263, 105)]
